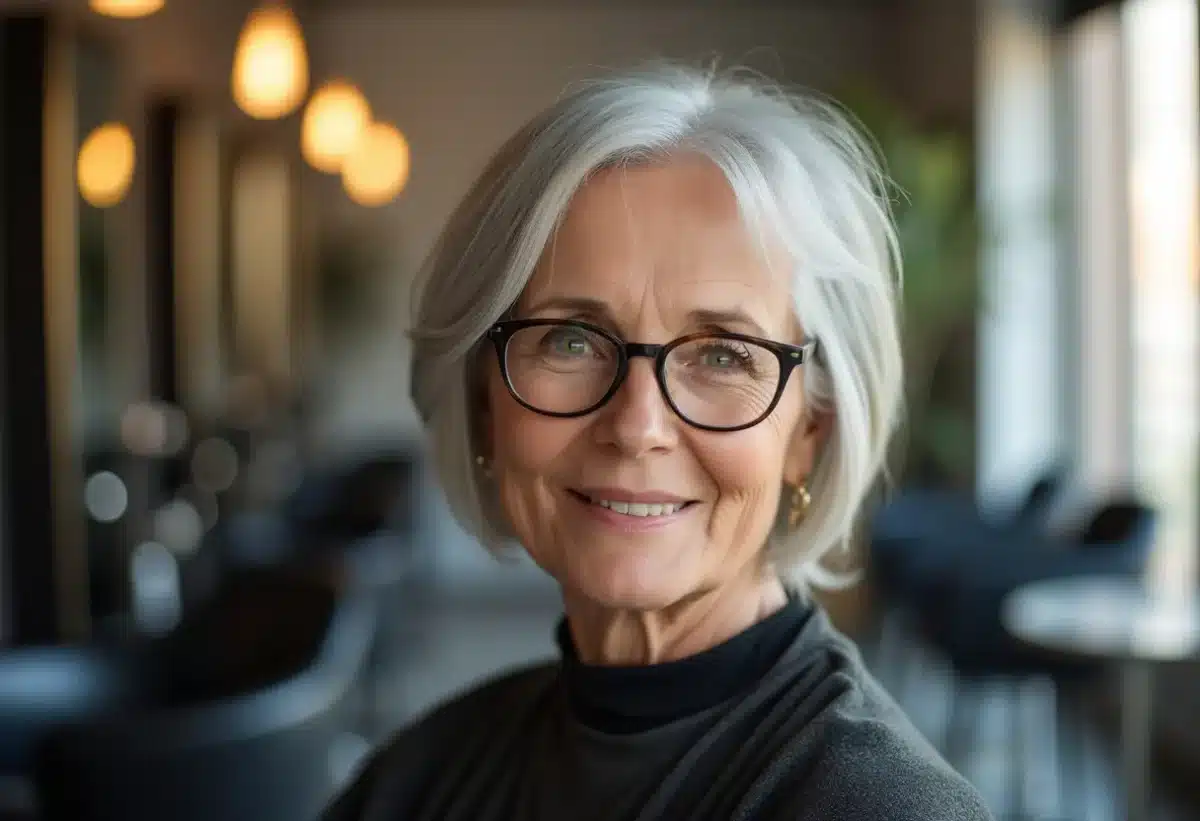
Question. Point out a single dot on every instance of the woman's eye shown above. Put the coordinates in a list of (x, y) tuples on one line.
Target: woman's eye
[(718, 359), (567, 344), (721, 358)]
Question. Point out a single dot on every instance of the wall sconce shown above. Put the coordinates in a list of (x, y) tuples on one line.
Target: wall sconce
[(126, 9), (335, 119), (270, 65), (104, 168), (377, 169)]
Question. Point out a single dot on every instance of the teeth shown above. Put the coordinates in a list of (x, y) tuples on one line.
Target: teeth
[(637, 508)]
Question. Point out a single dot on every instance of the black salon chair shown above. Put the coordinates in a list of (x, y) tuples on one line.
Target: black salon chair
[(46, 687), (960, 611), (361, 518), (258, 694), (917, 534)]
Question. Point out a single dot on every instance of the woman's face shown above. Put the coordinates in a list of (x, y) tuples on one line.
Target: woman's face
[(651, 254)]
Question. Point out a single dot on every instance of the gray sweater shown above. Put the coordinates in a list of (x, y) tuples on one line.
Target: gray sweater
[(810, 736)]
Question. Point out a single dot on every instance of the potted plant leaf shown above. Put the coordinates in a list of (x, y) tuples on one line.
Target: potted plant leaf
[(936, 220)]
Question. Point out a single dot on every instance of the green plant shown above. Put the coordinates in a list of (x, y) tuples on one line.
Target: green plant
[(937, 226)]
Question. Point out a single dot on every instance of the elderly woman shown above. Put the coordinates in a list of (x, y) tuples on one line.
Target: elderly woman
[(657, 349)]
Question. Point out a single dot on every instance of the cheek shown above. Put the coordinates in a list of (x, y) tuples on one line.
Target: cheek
[(527, 454), (748, 472), (747, 469), (523, 443)]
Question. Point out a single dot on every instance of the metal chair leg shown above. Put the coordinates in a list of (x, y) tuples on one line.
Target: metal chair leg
[(960, 726)]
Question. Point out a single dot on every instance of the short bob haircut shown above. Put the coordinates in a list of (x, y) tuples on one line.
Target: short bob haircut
[(801, 173)]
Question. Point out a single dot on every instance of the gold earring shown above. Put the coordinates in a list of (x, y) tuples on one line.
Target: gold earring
[(484, 468), (801, 500)]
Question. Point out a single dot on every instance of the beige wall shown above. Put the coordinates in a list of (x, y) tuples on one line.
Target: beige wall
[(458, 82)]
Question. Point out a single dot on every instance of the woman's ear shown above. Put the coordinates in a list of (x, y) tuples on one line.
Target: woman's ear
[(810, 436)]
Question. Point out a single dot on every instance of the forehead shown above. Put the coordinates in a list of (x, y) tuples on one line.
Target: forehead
[(658, 243)]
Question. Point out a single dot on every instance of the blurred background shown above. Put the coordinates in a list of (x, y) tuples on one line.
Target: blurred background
[(226, 569)]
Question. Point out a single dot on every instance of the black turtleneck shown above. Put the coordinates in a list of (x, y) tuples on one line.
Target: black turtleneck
[(621, 700), (779, 723)]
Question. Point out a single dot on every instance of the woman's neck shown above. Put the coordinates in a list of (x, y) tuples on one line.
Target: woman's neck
[(627, 638)]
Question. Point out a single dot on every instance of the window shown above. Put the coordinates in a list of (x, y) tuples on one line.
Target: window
[(1163, 164)]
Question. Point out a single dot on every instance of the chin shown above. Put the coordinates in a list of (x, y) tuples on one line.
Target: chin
[(629, 584)]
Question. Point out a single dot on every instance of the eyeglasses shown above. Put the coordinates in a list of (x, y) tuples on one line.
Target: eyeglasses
[(713, 381)]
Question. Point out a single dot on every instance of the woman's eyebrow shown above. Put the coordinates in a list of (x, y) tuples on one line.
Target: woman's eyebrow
[(575, 305), (723, 318), (588, 306)]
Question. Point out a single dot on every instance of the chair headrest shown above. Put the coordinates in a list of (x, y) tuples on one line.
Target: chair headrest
[(1114, 521)]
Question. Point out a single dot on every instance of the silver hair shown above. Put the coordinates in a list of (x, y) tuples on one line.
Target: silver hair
[(802, 173)]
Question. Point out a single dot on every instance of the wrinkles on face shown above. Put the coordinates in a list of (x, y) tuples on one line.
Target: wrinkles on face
[(650, 254)]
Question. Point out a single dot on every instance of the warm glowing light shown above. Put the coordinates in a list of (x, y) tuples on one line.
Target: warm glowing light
[(377, 169), (334, 120), (104, 168), (270, 66), (126, 9)]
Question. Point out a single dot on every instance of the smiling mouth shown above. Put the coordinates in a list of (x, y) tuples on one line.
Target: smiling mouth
[(639, 510)]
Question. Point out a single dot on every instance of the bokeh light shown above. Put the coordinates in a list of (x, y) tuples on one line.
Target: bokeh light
[(105, 496), (157, 596), (270, 66), (179, 527), (154, 429), (377, 170), (104, 168), (126, 9), (214, 465), (335, 119)]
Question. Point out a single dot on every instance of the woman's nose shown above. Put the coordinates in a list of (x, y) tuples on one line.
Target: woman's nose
[(639, 419)]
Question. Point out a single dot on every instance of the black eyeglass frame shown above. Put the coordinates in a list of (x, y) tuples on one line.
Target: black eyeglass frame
[(789, 356)]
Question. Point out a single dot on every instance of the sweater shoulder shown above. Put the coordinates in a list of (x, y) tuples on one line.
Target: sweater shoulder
[(398, 772), (874, 763)]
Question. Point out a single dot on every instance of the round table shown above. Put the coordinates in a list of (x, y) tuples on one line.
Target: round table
[(1113, 619)]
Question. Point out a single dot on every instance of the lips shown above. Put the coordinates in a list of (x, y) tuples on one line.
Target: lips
[(640, 508), (656, 505)]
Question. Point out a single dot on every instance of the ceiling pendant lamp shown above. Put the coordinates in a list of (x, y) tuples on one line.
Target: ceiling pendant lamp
[(270, 65), (104, 167), (126, 9), (376, 170), (335, 119)]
